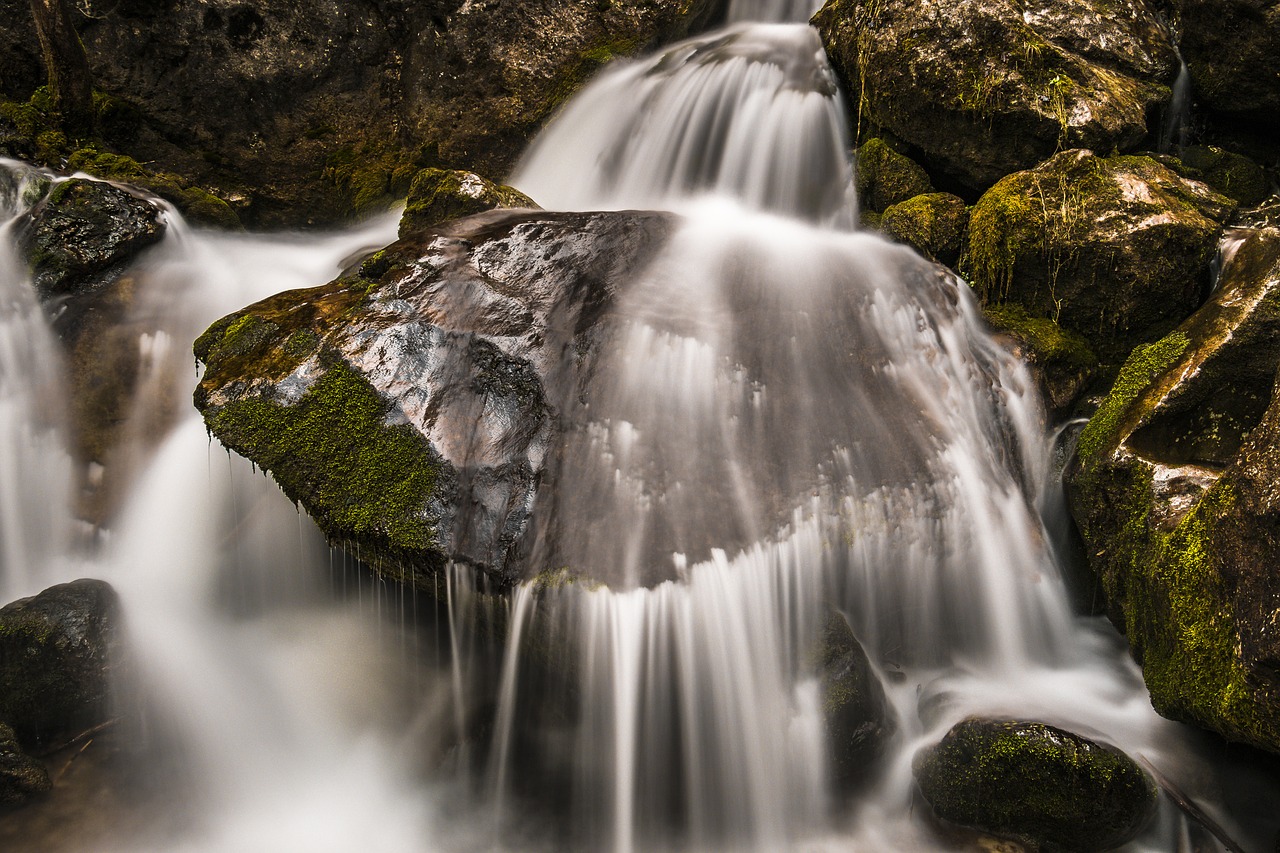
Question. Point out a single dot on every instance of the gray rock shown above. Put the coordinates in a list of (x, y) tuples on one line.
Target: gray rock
[(858, 718)]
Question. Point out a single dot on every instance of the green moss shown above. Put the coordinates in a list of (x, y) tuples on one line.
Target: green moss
[(375, 175), (439, 195), (361, 478), (1002, 226), (1145, 364), (886, 177)]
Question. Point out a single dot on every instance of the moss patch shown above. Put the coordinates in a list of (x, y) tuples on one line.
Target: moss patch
[(364, 479)]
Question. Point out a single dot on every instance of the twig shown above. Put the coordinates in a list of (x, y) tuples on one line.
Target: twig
[(67, 766), (101, 727), (1190, 809)]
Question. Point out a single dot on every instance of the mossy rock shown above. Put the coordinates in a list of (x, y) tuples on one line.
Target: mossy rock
[(1042, 785), (83, 233), (1063, 363), (196, 203), (1173, 492), (1114, 249), (858, 718), (1232, 49), (404, 405), (981, 90), (933, 224), (438, 195), (1233, 175), (886, 177), (57, 652)]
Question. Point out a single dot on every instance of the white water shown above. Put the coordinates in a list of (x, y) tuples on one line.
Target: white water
[(795, 418)]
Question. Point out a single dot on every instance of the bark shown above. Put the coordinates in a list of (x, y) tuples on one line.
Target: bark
[(70, 81)]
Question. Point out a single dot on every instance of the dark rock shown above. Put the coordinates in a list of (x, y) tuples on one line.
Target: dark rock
[(982, 88), (1114, 249), (407, 406), (1173, 492), (438, 195), (885, 177), (22, 777), (1047, 787), (1061, 361), (932, 224), (56, 656), (318, 110), (859, 720), (83, 233), (1232, 48)]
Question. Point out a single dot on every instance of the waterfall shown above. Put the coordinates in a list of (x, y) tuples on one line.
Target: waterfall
[(1176, 128), (793, 418)]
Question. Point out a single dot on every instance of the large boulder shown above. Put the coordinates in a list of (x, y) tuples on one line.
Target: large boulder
[(57, 651), (1174, 493), (409, 405), (83, 233), (983, 88), (1115, 249), (1045, 786), (315, 110), (858, 718)]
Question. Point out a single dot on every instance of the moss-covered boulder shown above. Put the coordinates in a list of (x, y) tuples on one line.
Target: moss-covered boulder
[(438, 195), (1231, 174), (407, 405), (982, 88), (933, 224), (57, 650), (1062, 362), (886, 177), (858, 719), (84, 232), (1049, 788), (1232, 48), (22, 778), (1174, 493), (1114, 249)]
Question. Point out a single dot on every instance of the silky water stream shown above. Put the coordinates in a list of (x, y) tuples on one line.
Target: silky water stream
[(795, 418)]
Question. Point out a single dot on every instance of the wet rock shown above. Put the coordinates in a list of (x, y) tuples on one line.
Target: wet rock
[(438, 195), (933, 224), (1232, 48), (22, 777), (56, 656), (83, 233), (1114, 249), (982, 88), (886, 177), (1048, 787), (858, 719), (1062, 362), (1174, 493), (407, 406)]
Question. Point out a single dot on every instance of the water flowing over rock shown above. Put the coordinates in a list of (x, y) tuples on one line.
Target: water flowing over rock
[(56, 657), (1051, 788), (406, 405), (1115, 249), (81, 236), (982, 88), (859, 721), (1174, 494)]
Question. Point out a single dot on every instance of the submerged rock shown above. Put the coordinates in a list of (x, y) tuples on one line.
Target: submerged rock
[(983, 88), (1174, 493), (858, 718), (438, 195), (410, 406), (83, 233), (1042, 785), (22, 777), (1115, 249), (56, 656)]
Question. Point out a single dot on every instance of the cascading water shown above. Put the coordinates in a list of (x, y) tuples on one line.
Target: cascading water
[(793, 418)]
